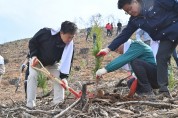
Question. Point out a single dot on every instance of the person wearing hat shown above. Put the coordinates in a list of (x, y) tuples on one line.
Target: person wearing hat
[(140, 57), (54, 49)]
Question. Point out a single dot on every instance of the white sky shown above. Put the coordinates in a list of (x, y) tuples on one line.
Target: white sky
[(23, 18)]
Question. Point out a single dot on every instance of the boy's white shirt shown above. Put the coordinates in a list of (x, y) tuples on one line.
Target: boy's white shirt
[(126, 47), (154, 46)]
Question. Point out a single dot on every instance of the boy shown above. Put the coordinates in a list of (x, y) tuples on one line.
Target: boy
[(50, 47)]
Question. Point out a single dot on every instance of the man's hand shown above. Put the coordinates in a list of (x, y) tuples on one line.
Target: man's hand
[(100, 72), (22, 67), (103, 52), (64, 81), (34, 61)]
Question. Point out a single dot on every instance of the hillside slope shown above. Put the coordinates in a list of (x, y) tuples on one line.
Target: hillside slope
[(15, 53)]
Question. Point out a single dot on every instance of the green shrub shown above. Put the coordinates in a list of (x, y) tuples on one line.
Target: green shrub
[(172, 81), (42, 82), (97, 46)]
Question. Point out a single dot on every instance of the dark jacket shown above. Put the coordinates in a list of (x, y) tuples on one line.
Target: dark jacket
[(48, 48), (119, 24), (159, 18)]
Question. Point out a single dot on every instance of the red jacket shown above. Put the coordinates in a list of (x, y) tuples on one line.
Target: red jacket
[(108, 26)]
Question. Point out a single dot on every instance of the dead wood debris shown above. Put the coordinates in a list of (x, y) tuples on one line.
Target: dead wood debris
[(108, 104), (153, 104), (97, 107)]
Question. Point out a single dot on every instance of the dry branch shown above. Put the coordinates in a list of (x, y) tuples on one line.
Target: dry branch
[(153, 104), (51, 112), (64, 111), (122, 110), (107, 101)]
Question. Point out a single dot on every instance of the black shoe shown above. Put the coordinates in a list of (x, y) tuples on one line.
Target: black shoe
[(163, 94), (150, 96)]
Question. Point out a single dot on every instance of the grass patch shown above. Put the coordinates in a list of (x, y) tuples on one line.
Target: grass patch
[(172, 81), (42, 82)]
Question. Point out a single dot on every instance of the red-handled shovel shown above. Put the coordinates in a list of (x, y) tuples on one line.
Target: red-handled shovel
[(47, 73)]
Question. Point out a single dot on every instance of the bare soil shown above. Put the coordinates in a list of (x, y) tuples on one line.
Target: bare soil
[(106, 102)]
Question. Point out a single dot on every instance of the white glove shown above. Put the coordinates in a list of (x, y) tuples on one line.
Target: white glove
[(100, 72), (103, 52)]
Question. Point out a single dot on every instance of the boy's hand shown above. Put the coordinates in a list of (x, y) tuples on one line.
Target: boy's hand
[(64, 81), (34, 61)]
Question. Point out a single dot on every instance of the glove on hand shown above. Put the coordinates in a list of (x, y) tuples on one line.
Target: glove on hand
[(100, 72), (103, 52), (34, 61), (64, 81), (22, 68)]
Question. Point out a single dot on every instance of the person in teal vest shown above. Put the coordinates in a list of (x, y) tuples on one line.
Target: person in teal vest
[(140, 57)]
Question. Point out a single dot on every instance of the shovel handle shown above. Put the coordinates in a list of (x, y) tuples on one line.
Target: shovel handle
[(133, 88), (74, 92), (77, 95), (70, 89), (47, 73)]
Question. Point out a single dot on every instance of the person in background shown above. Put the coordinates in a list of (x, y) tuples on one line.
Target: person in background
[(141, 35), (159, 19), (2, 67), (112, 29), (108, 28), (54, 49), (25, 67), (88, 32), (119, 26), (175, 57), (94, 38)]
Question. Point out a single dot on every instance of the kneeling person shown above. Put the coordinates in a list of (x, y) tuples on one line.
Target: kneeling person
[(50, 47), (141, 59)]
